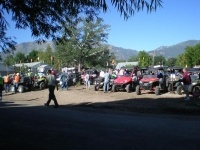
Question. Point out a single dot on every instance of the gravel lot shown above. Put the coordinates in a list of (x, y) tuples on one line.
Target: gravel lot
[(81, 98)]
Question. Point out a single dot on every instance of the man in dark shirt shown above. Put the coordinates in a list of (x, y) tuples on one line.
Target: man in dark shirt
[(186, 83)]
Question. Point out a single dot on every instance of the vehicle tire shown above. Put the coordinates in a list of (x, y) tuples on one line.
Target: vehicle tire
[(114, 89), (179, 89), (92, 81), (170, 88), (128, 88), (42, 85), (96, 87), (196, 95), (137, 89), (157, 90), (21, 89), (12, 88)]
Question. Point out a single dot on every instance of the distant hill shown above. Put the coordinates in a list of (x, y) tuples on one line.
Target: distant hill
[(174, 50), (121, 53)]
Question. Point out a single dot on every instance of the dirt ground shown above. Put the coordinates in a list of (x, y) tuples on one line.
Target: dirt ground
[(81, 98)]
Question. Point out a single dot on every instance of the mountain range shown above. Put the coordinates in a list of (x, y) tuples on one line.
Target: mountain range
[(120, 53)]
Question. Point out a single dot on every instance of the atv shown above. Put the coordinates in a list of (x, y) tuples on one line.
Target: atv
[(40, 81)]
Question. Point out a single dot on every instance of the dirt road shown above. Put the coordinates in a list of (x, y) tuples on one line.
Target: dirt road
[(122, 101)]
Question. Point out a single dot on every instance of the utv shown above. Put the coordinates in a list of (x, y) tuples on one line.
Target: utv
[(155, 81), (99, 83), (174, 79), (124, 83), (24, 85)]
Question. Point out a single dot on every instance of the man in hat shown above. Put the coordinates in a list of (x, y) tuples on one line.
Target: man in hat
[(51, 81)]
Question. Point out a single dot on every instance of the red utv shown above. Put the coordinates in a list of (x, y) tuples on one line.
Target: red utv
[(154, 81), (124, 83)]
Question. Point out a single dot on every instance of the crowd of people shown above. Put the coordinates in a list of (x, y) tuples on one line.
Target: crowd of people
[(135, 73)]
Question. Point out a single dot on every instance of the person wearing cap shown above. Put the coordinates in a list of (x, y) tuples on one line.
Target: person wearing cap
[(16, 81), (51, 81)]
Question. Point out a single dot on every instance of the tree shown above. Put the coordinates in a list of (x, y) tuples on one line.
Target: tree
[(159, 60), (170, 62), (45, 17), (192, 55), (9, 60), (82, 42), (20, 58), (181, 60), (133, 58), (144, 59), (32, 56)]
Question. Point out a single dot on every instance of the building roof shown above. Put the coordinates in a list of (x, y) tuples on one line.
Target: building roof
[(28, 64), (124, 64)]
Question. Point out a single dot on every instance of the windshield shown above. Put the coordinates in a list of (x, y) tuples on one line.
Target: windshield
[(150, 76)]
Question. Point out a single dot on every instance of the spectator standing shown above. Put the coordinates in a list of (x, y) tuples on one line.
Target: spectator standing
[(106, 82), (7, 83), (186, 83), (51, 81), (1, 86), (16, 81), (87, 81), (64, 79)]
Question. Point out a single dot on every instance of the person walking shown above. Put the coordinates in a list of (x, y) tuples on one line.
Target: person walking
[(106, 82), (1, 86), (51, 82), (87, 81), (7, 83), (186, 83)]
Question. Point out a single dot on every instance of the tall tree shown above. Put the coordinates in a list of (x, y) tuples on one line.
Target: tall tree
[(144, 59), (32, 56), (45, 17), (181, 60), (159, 60), (82, 41), (171, 62), (20, 58), (192, 55)]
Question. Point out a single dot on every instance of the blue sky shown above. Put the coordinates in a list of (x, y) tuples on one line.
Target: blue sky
[(177, 21)]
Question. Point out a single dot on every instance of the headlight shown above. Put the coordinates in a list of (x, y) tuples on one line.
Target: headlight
[(140, 82), (150, 82), (194, 83), (125, 81)]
